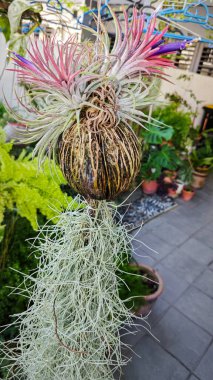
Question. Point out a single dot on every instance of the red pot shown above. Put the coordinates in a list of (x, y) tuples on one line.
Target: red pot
[(187, 195), (149, 187)]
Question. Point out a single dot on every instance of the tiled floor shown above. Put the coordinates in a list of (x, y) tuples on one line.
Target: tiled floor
[(182, 319)]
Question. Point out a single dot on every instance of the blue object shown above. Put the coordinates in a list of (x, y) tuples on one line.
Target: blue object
[(188, 16)]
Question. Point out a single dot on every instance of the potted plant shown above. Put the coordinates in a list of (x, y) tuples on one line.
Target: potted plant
[(202, 159), (172, 190), (159, 159), (140, 287), (184, 176), (201, 171), (150, 176), (187, 193)]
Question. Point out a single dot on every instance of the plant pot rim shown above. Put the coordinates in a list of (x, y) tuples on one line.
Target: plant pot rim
[(149, 180), (188, 191), (198, 173), (159, 281)]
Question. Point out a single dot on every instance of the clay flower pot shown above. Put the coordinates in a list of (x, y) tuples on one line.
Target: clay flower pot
[(149, 187), (172, 193), (149, 300), (187, 194), (199, 178)]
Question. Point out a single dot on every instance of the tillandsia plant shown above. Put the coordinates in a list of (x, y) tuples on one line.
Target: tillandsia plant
[(87, 97), (82, 100)]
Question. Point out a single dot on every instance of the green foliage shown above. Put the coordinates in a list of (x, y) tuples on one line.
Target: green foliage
[(24, 188), (178, 119), (155, 135), (133, 285), (11, 22), (4, 116), (5, 26), (202, 155), (20, 259), (185, 171), (148, 172), (163, 157)]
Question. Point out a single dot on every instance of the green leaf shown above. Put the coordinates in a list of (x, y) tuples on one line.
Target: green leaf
[(156, 135), (5, 26), (164, 158), (25, 189)]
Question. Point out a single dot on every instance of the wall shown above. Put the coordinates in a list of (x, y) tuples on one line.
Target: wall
[(202, 87)]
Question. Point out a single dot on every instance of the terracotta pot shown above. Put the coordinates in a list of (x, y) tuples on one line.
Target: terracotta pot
[(199, 179), (149, 187), (167, 180), (202, 169), (172, 193), (169, 143), (187, 195), (150, 299)]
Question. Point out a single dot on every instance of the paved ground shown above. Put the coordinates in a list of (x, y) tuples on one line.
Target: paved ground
[(182, 319)]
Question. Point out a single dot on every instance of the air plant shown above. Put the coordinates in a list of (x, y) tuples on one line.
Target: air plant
[(71, 328), (82, 99), (87, 97)]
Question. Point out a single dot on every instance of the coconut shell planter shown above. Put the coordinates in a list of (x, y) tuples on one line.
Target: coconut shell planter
[(81, 100)]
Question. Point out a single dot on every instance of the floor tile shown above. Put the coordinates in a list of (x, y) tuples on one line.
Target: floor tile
[(205, 282), (198, 307), (205, 369), (150, 245), (153, 363), (180, 221), (182, 338), (197, 250), (183, 265), (205, 235), (138, 330), (174, 285), (159, 309), (170, 234)]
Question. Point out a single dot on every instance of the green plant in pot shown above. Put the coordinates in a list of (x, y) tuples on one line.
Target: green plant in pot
[(160, 158), (149, 176), (140, 286), (180, 120), (187, 193), (202, 159)]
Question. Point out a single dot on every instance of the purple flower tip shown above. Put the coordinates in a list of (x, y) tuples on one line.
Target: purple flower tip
[(25, 61), (168, 48)]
